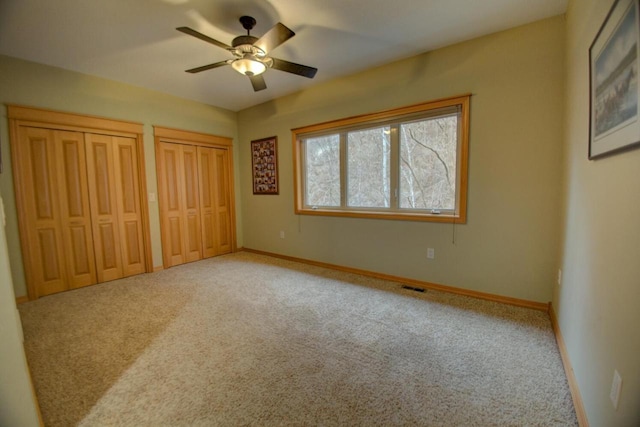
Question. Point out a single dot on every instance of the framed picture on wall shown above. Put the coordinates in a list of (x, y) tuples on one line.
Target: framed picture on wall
[(264, 165), (614, 58)]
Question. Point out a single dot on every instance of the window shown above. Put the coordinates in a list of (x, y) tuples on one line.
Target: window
[(408, 163)]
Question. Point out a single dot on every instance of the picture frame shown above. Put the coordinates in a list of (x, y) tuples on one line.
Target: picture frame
[(264, 165), (614, 61)]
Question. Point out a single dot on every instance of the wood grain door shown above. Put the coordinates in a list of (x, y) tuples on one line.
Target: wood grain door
[(169, 186), (191, 204), (38, 192), (104, 209), (179, 203), (206, 179), (75, 214), (128, 205), (223, 202), (79, 199), (214, 201), (195, 201)]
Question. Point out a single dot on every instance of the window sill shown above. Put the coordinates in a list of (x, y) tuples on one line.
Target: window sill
[(372, 214)]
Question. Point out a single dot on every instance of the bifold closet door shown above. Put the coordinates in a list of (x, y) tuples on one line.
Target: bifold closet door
[(115, 206), (180, 203), (191, 203), (102, 191), (78, 189), (74, 208), (54, 197), (206, 179), (128, 205), (223, 200), (214, 201)]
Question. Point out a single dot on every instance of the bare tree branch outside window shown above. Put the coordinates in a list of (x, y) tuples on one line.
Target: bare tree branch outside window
[(368, 172), (428, 161), (323, 171)]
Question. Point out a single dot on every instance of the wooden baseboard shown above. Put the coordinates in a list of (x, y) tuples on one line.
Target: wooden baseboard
[(158, 268), (22, 299), (568, 369), (426, 285)]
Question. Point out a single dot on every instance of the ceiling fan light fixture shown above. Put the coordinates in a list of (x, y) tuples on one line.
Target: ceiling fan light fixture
[(250, 53), (249, 66)]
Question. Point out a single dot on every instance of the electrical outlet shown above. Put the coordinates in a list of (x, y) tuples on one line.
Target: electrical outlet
[(281, 234), (559, 276), (616, 385), (431, 253)]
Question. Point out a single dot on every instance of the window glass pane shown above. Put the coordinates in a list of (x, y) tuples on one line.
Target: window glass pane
[(322, 166), (368, 167), (428, 163)]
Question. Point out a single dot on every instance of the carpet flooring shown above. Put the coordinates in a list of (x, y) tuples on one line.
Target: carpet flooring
[(245, 339)]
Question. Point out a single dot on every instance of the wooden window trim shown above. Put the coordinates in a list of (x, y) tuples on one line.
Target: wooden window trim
[(459, 217)]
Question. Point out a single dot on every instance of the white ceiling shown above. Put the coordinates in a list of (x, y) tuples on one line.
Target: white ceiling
[(135, 41)]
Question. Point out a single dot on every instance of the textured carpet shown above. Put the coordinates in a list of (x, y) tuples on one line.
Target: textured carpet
[(245, 339)]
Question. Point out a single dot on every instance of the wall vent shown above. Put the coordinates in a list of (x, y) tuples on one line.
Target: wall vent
[(412, 288)]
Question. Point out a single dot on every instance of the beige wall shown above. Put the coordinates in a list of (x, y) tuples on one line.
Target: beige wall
[(509, 245), (18, 406), (30, 84), (598, 303)]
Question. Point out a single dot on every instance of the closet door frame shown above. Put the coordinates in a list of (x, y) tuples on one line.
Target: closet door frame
[(178, 136), (22, 116)]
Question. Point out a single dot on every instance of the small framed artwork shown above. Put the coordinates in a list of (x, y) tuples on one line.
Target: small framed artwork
[(264, 165), (614, 58)]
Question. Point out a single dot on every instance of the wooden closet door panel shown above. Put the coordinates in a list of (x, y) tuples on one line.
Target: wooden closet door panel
[(223, 202), (128, 204), (195, 204), (44, 254), (191, 204), (104, 211), (74, 208), (206, 179), (169, 185)]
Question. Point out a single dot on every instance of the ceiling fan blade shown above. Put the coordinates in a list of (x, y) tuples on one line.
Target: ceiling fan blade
[(201, 36), (207, 67), (258, 82), (273, 38), (291, 67)]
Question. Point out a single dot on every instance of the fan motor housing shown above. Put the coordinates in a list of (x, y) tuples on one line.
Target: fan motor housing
[(240, 40)]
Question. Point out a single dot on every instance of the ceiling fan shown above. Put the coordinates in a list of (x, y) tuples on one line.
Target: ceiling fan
[(250, 53)]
